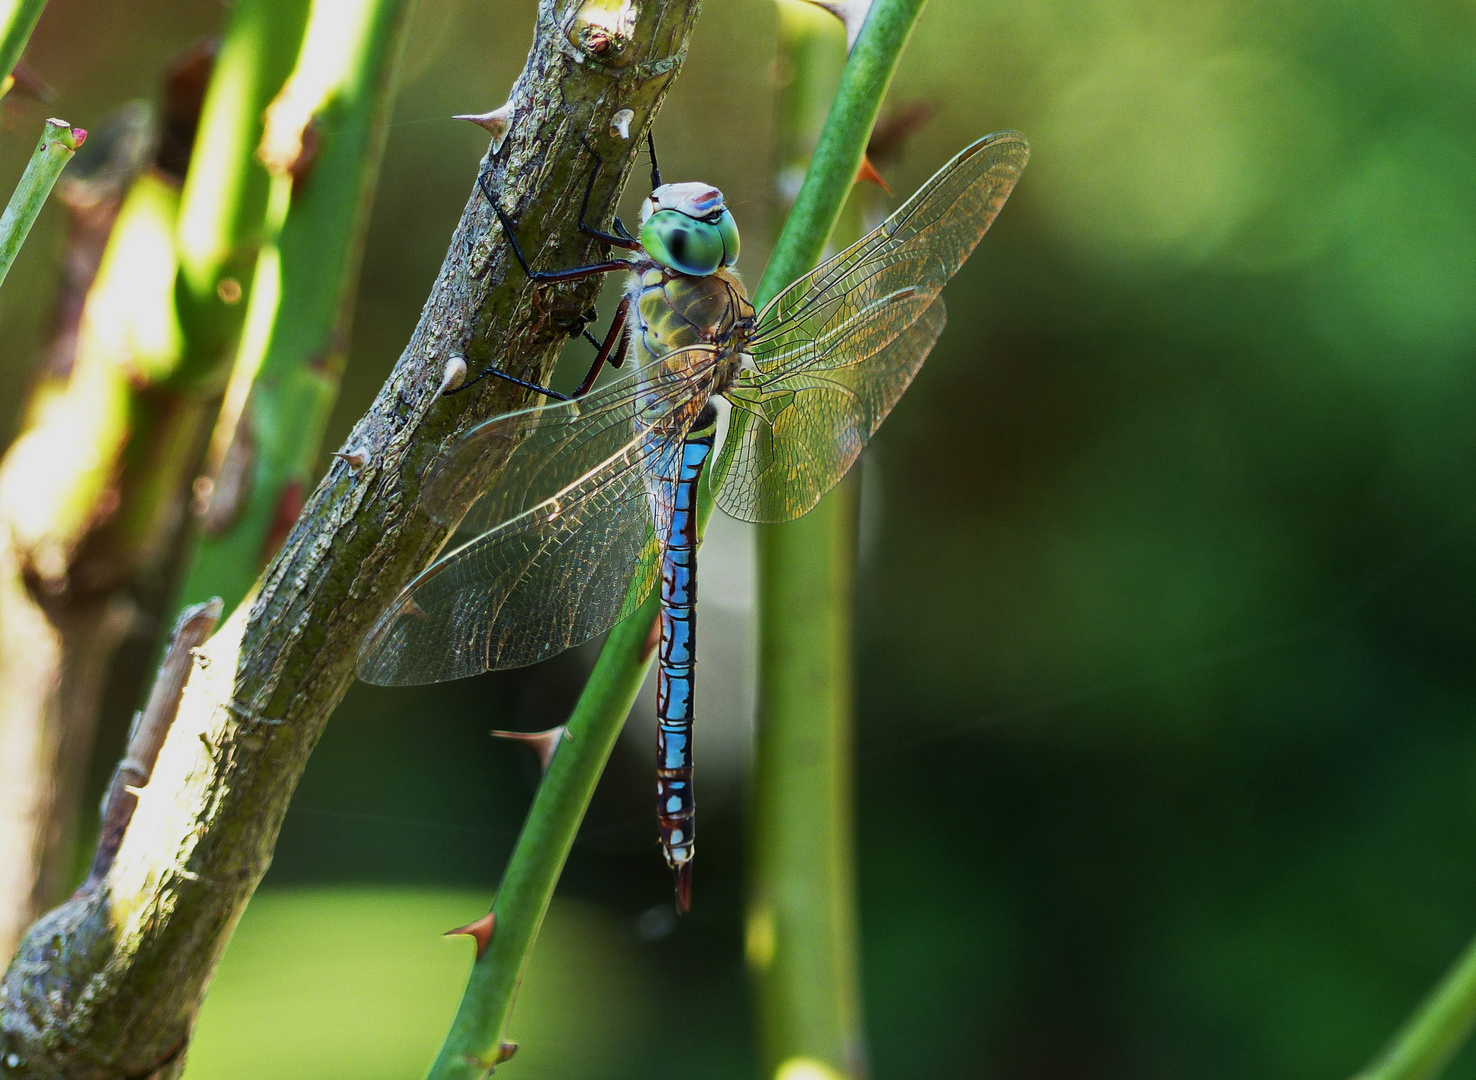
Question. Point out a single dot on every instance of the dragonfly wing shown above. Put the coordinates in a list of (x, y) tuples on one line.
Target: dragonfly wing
[(792, 437), (826, 338), (514, 462), (562, 570)]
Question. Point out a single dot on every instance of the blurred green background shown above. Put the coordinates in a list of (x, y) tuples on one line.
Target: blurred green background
[(1167, 765)]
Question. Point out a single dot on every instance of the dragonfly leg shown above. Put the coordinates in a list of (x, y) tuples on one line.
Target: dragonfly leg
[(614, 337), (655, 169), (613, 348), (619, 238), (493, 373), (621, 352), (544, 277)]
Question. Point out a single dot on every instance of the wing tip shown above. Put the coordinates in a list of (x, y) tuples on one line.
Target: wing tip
[(1008, 137)]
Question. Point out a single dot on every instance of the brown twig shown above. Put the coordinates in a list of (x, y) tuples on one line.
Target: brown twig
[(109, 984), (146, 738)]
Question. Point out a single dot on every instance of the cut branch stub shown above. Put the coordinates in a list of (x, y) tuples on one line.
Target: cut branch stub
[(603, 29), (109, 984), (150, 727)]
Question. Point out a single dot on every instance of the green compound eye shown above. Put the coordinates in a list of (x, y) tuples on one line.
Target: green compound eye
[(686, 246), (729, 228)]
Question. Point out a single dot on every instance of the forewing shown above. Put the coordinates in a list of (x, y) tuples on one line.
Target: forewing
[(514, 462), (791, 438), (833, 352), (851, 306), (562, 570)]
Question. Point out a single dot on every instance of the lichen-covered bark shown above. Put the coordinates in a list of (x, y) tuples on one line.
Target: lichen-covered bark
[(108, 984)]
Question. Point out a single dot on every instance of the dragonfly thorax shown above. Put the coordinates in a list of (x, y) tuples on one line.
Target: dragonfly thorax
[(687, 228), (676, 311)]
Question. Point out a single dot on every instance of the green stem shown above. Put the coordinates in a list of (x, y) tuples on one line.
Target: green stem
[(801, 933), (1424, 1046), (96, 486), (842, 143), (222, 213), (59, 141), (801, 928), (220, 227), (293, 350), (476, 1040), (18, 17)]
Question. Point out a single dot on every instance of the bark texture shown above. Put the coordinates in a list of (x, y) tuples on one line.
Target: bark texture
[(108, 984)]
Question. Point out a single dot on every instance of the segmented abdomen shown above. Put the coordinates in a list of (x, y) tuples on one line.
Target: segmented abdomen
[(676, 664)]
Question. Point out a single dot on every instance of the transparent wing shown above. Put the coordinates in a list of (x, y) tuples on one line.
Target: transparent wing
[(826, 329), (572, 561), (790, 440), (511, 463)]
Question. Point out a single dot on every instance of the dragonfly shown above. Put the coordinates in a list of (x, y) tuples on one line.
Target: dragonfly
[(576, 508)]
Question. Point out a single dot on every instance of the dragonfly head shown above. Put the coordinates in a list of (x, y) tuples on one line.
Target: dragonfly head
[(687, 228)]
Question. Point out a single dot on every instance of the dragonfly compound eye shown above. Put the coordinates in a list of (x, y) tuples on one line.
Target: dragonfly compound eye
[(729, 229), (684, 244)]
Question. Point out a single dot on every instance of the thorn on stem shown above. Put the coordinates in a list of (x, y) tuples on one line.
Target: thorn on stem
[(542, 743), (25, 80), (495, 123), (356, 458), (653, 638), (868, 172), (620, 123), (453, 376), (851, 13), (506, 1051), (479, 931)]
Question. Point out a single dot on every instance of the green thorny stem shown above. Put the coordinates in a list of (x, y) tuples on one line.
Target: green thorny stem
[(477, 1040), (59, 141), (223, 207), (17, 20), (1430, 1038), (801, 933), (324, 141)]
